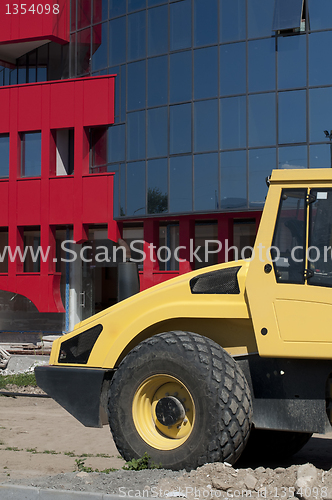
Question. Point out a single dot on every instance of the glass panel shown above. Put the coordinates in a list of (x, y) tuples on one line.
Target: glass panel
[(181, 184), (205, 22), (115, 168), (232, 20), (157, 132), (180, 129), (31, 154), (136, 135), (32, 240), (98, 148), (136, 4), (157, 186), (83, 52), (287, 15), (4, 155), (100, 11), (233, 69), (321, 156), (233, 180), (136, 85), (290, 232), (320, 113), (292, 56), (206, 182), (117, 41), (260, 16), (123, 73), (320, 238), (320, 12), (206, 73), (158, 30), (262, 120), (116, 143), (123, 184), (206, 126), (180, 19), (73, 15), (180, 77), (32, 60), (4, 260), (292, 116), (136, 188), (293, 157), (204, 233), (157, 81), (168, 237), (261, 62), (233, 122), (99, 46), (320, 73), (261, 164), (83, 14), (117, 7), (136, 36), (41, 76), (116, 71)]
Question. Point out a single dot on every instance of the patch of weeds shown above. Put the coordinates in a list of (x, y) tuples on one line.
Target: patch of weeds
[(5, 467), (103, 455), (86, 455), (142, 463), (81, 467), (119, 456), (1, 443), (12, 448), (50, 452), (1, 427), (31, 450), (19, 379), (69, 454)]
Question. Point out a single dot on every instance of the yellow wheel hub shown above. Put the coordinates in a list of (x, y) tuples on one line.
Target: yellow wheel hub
[(171, 394)]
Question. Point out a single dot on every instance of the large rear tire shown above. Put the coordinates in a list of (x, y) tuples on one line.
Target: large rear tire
[(182, 399)]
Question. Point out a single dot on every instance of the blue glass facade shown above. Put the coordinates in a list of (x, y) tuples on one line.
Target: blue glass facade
[(209, 99)]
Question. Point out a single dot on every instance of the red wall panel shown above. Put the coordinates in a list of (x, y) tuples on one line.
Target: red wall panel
[(28, 202), (95, 199), (61, 200), (4, 203), (29, 108)]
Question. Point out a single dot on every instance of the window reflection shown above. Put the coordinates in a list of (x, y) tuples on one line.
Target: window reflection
[(261, 164), (83, 51), (118, 41), (260, 17), (206, 125), (136, 188), (320, 12), (117, 7), (262, 120), (233, 118), (292, 116), (292, 53), (232, 20), (116, 143), (180, 29), (206, 196), (157, 132), (320, 156), (320, 72), (233, 180), (320, 113), (136, 85), (136, 36), (261, 65), (99, 46), (181, 184), (205, 22), (157, 186), (157, 80), (293, 157), (135, 5), (157, 30), (180, 77), (136, 135), (233, 69), (206, 73), (4, 155), (180, 129), (30, 154)]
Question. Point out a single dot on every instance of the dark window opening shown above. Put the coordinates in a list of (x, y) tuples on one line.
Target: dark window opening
[(65, 151), (289, 17)]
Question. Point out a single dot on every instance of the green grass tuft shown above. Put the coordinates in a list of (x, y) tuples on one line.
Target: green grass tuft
[(20, 379)]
